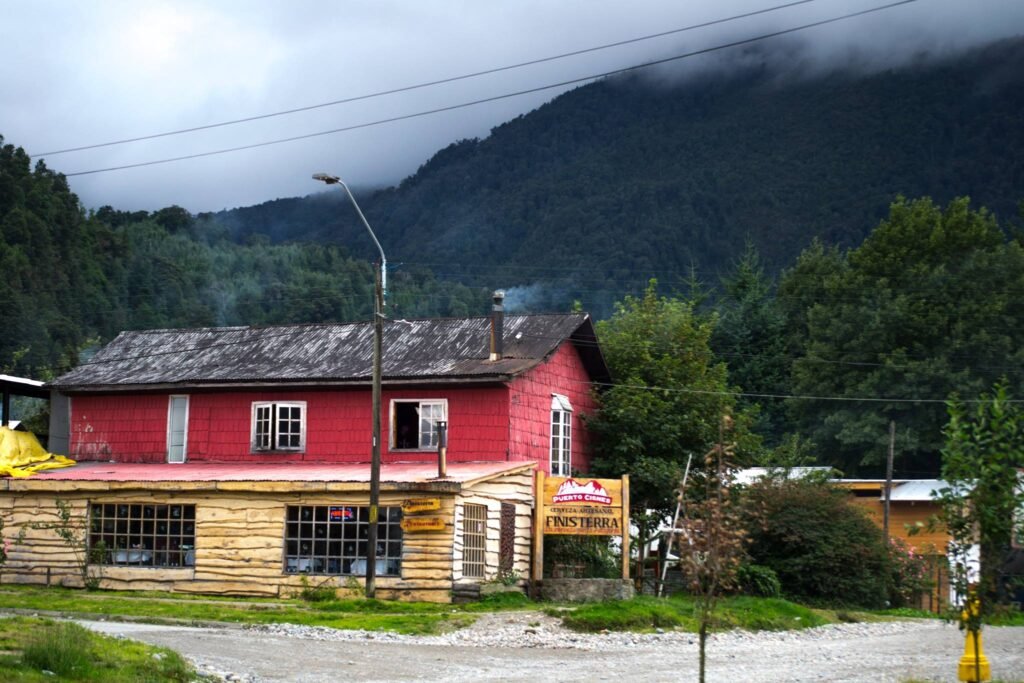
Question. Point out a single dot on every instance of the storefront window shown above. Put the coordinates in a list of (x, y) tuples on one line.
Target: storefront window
[(331, 539), (138, 535)]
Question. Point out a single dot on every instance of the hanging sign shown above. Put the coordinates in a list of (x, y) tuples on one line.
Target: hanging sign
[(420, 505), (422, 524)]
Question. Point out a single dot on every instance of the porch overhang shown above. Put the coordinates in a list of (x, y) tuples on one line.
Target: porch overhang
[(262, 478)]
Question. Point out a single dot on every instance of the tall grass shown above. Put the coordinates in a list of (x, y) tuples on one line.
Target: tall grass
[(61, 647)]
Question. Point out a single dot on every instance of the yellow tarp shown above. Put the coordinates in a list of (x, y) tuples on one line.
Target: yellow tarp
[(21, 455)]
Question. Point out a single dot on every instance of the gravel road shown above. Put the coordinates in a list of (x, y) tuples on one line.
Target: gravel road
[(533, 647)]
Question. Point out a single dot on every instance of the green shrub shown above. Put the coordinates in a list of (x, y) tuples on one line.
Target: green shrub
[(63, 648), (758, 581), (319, 593), (584, 557), (821, 546), (911, 574)]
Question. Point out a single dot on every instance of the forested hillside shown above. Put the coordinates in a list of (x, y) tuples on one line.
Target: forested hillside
[(616, 180), (72, 278)]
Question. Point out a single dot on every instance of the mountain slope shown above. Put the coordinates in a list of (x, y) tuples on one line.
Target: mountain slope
[(619, 180)]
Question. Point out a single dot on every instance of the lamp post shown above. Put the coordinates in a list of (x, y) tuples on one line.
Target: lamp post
[(380, 288)]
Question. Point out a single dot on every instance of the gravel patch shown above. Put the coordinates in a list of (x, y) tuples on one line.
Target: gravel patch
[(534, 630), (531, 647)]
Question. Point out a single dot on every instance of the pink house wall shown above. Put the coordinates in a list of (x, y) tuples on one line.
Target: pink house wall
[(530, 412), (500, 422)]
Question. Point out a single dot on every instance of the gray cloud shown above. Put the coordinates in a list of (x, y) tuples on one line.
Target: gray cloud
[(81, 73)]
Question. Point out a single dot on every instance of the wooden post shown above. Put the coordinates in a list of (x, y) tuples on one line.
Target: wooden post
[(888, 481), (371, 531), (625, 526), (442, 449), (537, 573)]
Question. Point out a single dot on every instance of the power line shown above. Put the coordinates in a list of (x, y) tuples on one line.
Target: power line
[(428, 84), (495, 98), (849, 399)]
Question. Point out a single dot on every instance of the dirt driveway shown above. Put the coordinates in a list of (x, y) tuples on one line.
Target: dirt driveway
[(857, 652)]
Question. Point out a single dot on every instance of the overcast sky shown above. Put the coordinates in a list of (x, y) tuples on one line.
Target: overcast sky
[(79, 73)]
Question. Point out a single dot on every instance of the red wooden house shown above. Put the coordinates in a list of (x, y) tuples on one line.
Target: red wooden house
[(235, 459)]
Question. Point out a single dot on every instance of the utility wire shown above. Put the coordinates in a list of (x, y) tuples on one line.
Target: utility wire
[(495, 98), (428, 84)]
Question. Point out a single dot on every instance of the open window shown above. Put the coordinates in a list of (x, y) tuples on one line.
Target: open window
[(279, 426), (414, 423)]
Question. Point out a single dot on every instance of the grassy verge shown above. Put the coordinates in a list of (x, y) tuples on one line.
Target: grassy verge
[(645, 614), (371, 615), (639, 614), (34, 650)]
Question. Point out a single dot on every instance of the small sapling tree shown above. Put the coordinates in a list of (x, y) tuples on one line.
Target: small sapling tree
[(74, 532), (711, 547), (981, 466)]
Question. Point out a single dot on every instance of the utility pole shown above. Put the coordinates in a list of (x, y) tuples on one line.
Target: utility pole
[(888, 480), (378, 337), (380, 277)]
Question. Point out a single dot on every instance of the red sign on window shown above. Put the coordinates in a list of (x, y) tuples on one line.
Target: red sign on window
[(337, 514)]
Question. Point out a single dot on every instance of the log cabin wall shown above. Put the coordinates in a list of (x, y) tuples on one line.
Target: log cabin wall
[(239, 539), (515, 489)]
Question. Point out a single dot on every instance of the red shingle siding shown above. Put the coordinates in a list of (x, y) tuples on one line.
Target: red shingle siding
[(122, 428), (530, 411), (338, 425)]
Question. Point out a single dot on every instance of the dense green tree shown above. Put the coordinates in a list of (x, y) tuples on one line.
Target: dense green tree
[(667, 399), (750, 337), (928, 305)]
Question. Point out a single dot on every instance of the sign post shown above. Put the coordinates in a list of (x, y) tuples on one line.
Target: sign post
[(578, 506)]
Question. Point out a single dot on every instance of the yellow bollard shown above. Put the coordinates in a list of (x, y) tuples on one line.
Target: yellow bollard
[(974, 666)]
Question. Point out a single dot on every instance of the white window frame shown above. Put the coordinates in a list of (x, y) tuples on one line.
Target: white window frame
[(184, 439), (560, 436), (431, 444), (273, 445)]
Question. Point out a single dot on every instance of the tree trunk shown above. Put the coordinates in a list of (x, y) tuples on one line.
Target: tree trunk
[(703, 641)]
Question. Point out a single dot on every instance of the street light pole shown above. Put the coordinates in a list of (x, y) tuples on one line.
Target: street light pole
[(379, 290)]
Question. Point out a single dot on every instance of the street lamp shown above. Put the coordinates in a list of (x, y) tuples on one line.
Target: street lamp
[(380, 287)]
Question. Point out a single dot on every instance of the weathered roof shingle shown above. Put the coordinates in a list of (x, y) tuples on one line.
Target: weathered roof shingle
[(436, 349)]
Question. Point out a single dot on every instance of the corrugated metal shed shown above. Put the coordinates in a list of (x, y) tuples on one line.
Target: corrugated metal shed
[(424, 350)]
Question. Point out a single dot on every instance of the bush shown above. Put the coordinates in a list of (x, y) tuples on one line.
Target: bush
[(822, 547), (758, 581), (911, 574)]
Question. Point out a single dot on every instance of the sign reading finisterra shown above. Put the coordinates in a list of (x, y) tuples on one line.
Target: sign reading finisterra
[(588, 507)]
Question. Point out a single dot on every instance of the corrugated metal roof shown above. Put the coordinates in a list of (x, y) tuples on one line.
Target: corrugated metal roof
[(22, 386), (400, 473), (917, 490), (414, 350)]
